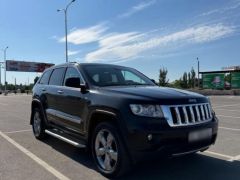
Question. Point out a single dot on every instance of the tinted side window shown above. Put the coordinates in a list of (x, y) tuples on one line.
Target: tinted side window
[(45, 77), (57, 77), (130, 77), (71, 73)]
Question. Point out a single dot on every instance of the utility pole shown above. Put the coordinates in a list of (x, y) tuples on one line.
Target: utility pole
[(1, 75), (5, 79), (66, 29), (198, 73)]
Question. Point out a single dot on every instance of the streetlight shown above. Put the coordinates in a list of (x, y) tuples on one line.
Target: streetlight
[(5, 77), (198, 73), (1, 75), (66, 31)]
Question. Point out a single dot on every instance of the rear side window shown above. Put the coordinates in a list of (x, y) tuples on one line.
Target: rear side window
[(45, 77), (57, 77)]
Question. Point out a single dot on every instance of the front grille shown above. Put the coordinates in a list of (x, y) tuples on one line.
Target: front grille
[(190, 114)]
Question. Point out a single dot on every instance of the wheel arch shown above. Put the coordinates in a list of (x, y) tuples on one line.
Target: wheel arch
[(36, 103), (99, 115)]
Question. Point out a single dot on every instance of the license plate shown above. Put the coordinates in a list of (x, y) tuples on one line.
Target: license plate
[(200, 135)]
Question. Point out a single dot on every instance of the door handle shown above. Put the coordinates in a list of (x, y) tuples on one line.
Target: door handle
[(60, 91)]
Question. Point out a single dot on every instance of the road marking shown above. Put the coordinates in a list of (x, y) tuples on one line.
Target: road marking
[(11, 132), (232, 129), (10, 96), (226, 110), (220, 155), (226, 106), (35, 158), (236, 158), (218, 115)]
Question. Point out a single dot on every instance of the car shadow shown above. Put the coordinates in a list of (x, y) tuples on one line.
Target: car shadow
[(77, 154), (196, 166)]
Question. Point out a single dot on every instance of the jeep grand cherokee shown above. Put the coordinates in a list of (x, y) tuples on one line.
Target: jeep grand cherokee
[(119, 115)]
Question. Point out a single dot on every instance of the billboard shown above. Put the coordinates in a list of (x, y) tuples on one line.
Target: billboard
[(213, 81), (23, 66), (235, 80)]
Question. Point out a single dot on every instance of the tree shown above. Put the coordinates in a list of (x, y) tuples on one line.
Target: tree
[(185, 80), (189, 80), (176, 84), (193, 77), (163, 80)]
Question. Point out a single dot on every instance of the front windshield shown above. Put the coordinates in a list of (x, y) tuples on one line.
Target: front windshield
[(115, 76)]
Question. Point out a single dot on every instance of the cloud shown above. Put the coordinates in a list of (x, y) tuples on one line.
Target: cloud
[(137, 8), (71, 53), (222, 10), (132, 44), (85, 35), (53, 37), (116, 39)]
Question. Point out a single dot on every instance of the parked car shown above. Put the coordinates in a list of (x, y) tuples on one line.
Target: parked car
[(119, 115)]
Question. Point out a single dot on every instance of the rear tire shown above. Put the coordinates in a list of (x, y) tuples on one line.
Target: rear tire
[(109, 152), (38, 125)]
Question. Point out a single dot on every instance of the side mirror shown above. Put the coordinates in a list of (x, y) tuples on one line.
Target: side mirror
[(154, 81), (84, 88), (73, 82)]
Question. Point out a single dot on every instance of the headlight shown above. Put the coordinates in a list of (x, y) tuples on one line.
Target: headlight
[(146, 110)]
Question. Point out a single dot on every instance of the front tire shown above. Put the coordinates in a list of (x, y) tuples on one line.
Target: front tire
[(109, 152), (38, 125)]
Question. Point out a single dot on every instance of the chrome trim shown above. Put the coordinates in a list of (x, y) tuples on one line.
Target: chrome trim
[(178, 115), (106, 112), (65, 116), (192, 114), (202, 111), (207, 113), (209, 110), (201, 118), (76, 144), (185, 114), (190, 152), (198, 113)]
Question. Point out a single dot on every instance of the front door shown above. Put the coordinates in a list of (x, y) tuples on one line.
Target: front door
[(73, 104)]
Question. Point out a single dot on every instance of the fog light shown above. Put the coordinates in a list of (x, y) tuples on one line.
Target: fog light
[(149, 137)]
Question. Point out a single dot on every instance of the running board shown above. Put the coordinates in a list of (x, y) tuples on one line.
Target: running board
[(67, 140)]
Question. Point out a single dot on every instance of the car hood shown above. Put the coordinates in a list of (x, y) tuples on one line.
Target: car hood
[(154, 92)]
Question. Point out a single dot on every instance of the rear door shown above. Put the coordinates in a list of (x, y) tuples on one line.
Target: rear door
[(54, 95), (42, 89)]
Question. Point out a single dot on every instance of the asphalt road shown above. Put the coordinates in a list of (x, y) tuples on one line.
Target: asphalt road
[(22, 157)]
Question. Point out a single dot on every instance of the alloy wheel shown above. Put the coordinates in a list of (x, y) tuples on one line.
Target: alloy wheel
[(106, 150)]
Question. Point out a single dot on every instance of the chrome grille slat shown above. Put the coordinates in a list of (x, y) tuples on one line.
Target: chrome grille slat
[(185, 115), (192, 114), (206, 109), (202, 111), (178, 115), (209, 111), (198, 113)]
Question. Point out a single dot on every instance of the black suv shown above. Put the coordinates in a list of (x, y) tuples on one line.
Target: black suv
[(119, 115)]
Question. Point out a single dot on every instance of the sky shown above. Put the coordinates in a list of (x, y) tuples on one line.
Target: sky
[(144, 34)]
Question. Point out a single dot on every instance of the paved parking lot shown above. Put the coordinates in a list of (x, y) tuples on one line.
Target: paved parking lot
[(23, 157)]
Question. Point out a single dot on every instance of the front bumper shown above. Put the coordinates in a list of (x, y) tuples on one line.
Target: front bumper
[(167, 141)]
